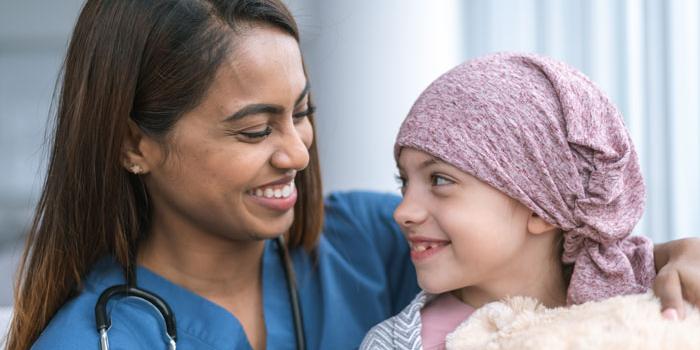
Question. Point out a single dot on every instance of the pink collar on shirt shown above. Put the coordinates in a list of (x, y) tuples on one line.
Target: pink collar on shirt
[(440, 317)]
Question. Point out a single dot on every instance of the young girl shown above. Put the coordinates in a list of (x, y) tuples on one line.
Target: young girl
[(519, 179)]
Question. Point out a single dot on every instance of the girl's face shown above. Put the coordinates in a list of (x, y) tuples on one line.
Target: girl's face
[(462, 232), (232, 160)]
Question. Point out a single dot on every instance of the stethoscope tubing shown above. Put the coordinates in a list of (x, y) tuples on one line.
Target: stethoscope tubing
[(103, 321), (293, 293)]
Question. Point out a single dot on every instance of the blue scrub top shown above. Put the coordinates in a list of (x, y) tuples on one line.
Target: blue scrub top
[(360, 276)]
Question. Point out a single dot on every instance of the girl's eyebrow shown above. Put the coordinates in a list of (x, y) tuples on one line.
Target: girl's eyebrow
[(424, 164), (427, 163)]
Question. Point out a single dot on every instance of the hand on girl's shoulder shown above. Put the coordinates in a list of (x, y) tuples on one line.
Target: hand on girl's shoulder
[(619, 323)]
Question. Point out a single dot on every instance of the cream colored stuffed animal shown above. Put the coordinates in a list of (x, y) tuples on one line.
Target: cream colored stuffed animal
[(619, 323)]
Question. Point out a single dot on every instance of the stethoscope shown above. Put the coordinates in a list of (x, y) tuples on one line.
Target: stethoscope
[(130, 290)]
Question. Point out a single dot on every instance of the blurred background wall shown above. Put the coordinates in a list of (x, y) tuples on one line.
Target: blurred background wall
[(368, 60)]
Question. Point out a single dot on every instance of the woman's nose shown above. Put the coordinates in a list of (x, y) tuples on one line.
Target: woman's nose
[(292, 152), (410, 212)]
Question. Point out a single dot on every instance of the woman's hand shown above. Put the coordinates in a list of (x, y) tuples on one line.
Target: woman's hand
[(678, 275)]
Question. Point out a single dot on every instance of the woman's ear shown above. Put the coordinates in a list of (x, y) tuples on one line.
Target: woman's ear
[(137, 152), (536, 225)]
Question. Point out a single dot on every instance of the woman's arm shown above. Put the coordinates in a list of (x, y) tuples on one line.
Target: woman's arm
[(678, 275)]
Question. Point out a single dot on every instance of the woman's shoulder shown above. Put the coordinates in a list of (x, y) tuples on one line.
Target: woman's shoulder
[(359, 228), (361, 204), (623, 322), (362, 216), (73, 327)]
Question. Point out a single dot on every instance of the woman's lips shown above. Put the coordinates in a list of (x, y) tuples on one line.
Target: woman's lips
[(278, 197)]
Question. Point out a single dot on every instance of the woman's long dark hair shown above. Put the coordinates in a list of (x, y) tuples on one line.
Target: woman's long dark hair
[(145, 60)]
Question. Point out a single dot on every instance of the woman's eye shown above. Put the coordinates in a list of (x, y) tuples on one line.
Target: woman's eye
[(257, 134), (304, 114), (437, 180)]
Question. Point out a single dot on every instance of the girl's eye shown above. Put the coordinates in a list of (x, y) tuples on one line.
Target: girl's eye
[(437, 180), (257, 134), (401, 181), (304, 114)]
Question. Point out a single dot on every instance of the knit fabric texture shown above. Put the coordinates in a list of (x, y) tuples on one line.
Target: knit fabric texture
[(542, 133)]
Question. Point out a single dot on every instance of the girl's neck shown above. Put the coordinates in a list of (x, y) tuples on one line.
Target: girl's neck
[(539, 278)]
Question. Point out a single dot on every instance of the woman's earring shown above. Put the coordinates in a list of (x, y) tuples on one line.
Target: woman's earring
[(135, 169)]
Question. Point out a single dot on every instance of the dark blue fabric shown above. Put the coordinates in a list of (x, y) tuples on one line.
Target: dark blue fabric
[(359, 275)]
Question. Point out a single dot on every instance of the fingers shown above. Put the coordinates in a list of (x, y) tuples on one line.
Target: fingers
[(668, 289), (690, 281)]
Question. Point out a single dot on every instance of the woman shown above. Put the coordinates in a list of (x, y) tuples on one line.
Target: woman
[(183, 145)]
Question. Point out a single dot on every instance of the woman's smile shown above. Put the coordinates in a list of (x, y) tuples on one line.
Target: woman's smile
[(278, 196)]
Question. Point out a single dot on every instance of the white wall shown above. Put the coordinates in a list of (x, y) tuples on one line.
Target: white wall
[(368, 61)]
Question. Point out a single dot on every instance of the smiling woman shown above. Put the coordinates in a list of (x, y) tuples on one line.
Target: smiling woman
[(183, 146)]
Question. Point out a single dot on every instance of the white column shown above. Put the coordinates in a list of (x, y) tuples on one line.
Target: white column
[(368, 61)]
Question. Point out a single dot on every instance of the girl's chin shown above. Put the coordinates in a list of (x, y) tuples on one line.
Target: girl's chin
[(434, 287)]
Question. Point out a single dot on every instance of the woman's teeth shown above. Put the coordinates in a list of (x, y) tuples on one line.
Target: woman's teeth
[(274, 191)]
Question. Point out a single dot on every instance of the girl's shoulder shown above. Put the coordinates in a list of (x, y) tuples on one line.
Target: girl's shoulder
[(623, 322), (402, 331)]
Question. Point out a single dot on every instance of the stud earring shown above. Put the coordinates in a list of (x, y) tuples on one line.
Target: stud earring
[(135, 169)]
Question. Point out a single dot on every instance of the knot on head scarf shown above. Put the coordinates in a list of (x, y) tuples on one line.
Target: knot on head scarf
[(545, 135)]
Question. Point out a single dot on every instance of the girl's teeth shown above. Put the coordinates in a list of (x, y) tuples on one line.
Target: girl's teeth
[(278, 193), (259, 192), (421, 247), (269, 193)]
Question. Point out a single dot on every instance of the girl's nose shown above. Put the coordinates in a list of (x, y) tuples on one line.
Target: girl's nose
[(410, 212)]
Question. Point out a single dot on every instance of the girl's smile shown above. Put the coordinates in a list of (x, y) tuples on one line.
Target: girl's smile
[(423, 248)]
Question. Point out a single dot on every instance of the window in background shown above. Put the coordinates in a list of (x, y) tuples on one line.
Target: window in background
[(645, 55)]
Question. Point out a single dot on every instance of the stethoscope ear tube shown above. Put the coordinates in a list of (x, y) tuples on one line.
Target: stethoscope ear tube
[(103, 321), (293, 294)]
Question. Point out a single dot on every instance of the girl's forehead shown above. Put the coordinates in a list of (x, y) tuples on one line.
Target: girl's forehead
[(411, 158)]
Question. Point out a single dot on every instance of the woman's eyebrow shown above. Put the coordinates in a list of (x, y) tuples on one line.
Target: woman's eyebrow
[(252, 109), (264, 108), (302, 94)]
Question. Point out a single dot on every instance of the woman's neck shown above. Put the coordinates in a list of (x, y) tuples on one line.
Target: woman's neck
[(214, 267), (227, 272)]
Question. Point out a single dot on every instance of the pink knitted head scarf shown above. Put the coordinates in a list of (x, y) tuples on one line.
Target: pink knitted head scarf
[(545, 135)]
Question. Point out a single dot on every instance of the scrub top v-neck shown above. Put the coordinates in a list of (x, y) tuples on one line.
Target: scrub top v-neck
[(358, 275)]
